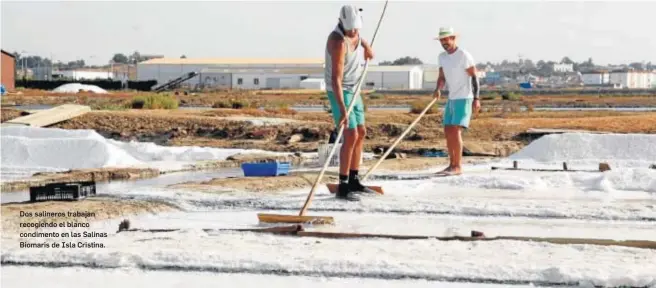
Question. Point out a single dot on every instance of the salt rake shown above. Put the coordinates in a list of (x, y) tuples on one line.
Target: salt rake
[(301, 218)]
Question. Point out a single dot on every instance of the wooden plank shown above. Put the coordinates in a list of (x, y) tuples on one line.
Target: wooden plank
[(50, 116), (560, 131), (278, 218), (289, 229), (540, 170), (298, 230), (644, 244), (334, 187)]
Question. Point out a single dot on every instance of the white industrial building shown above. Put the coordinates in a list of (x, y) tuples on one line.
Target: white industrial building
[(633, 79), (83, 74), (314, 84), (429, 75), (595, 78), (394, 77), (562, 67), (268, 73), (232, 73)]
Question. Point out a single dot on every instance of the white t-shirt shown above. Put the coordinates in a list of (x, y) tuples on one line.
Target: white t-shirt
[(455, 72)]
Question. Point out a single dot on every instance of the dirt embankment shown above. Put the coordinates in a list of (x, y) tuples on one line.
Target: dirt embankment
[(493, 133), (303, 97), (102, 209), (98, 175)]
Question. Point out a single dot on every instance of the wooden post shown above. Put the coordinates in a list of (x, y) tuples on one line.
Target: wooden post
[(565, 166), (515, 164)]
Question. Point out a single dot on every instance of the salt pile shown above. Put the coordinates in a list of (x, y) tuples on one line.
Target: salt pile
[(26, 150), (58, 149), (76, 87), (636, 149)]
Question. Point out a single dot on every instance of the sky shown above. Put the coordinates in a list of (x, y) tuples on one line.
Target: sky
[(612, 32)]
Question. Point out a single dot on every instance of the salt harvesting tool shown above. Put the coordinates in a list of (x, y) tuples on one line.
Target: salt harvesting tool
[(382, 158), (302, 218)]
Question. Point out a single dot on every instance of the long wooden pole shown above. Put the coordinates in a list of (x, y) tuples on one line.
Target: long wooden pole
[(341, 126), (382, 158)]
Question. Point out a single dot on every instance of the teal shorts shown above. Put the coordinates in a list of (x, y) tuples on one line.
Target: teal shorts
[(457, 112), (356, 118)]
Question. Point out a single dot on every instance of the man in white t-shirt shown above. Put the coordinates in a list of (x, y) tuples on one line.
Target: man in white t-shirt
[(458, 73)]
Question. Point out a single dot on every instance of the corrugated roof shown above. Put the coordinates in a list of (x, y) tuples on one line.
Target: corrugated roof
[(392, 68), (234, 61), (269, 70)]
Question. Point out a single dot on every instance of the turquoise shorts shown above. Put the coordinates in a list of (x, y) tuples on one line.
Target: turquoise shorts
[(356, 118), (457, 112)]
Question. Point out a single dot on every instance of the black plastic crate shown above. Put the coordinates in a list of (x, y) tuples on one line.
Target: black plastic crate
[(63, 191)]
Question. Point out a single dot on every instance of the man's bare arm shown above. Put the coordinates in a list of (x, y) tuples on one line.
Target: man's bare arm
[(471, 71), (337, 51), (441, 81)]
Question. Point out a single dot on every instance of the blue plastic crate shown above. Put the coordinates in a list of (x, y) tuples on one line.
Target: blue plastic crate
[(438, 153), (265, 169)]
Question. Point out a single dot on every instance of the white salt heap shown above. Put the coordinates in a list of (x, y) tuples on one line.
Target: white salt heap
[(76, 87), (26, 150), (635, 150)]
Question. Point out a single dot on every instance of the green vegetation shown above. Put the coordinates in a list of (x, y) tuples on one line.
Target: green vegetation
[(511, 96), (154, 101), (491, 96), (418, 106)]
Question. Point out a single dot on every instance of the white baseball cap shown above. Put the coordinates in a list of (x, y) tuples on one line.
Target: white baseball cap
[(350, 17)]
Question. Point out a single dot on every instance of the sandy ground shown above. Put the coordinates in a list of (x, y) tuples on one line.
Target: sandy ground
[(102, 208)]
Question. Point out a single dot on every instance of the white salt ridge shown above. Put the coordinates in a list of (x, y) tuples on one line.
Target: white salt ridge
[(23, 276), (147, 151), (591, 148), (32, 149), (626, 179), (511, 261)]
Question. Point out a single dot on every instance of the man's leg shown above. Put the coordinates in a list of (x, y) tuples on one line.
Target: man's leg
[(358, 119), (456, 150), (350, 136), (447, 121), (462, 116), (357, 147)]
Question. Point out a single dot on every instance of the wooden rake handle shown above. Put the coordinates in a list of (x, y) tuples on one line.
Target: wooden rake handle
[(389, 150)]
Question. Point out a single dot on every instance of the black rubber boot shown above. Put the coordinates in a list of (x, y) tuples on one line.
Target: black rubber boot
[(355, 185), (344, 193)]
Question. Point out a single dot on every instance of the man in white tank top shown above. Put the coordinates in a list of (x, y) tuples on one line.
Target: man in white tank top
[(343, 68), (458, 73)]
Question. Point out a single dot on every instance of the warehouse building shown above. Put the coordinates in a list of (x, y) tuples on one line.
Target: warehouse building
[(633, 79), (8, 74), (281, 78), (596, 78), (407, 77), (232, 73), (430, 74)]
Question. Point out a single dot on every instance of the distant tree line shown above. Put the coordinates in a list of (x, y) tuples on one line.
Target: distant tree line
[(34, 61), (526, 66)]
